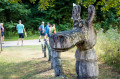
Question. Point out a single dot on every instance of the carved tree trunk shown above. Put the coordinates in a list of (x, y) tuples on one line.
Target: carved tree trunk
[(84, 37), (49, 50), (86, 64), (44, 49), (52, 59), (56, 63)]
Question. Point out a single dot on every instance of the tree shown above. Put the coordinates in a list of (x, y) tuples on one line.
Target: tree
[(43, 4), (106, 5)]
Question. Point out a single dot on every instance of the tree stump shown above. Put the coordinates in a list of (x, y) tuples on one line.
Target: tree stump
[(84, 37)]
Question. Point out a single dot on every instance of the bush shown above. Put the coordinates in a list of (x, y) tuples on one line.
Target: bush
[(63, 27), (108, 47)]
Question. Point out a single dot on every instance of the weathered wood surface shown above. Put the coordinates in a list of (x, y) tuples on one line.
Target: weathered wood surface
[(44, 49), (49, 50), (45, 46), (83, 33), (86, 64), (50, 55), (54, 57), (56, 63), (84, 37)]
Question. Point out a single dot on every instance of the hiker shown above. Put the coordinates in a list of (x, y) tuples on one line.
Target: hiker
[(47, 29), (53, 29), (50, 26), (2, 32), (20, 28), (42, 31)]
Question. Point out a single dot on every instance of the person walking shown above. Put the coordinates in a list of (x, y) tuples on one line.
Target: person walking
[(53, 29), (47, 29), (2, 32), (20, 28), (42, 31)]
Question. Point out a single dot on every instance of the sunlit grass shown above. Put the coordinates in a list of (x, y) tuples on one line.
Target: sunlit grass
[(27, 62), (29, 37)]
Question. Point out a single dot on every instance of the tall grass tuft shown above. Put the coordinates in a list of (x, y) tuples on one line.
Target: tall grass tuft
[(108, 47)]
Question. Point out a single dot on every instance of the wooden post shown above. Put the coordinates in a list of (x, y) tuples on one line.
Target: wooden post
[(52, 58), (44, 49), (86, 64), (56, 63), (49, 50)]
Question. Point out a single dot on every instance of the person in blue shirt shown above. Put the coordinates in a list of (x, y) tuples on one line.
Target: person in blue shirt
[(47, 29), (42, 31), (21, 30)]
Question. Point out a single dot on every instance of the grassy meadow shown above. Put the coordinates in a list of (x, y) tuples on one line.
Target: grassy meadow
[(27, 62)]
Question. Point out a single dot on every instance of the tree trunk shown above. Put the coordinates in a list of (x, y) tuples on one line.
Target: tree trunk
[(44, 49), (86, 64), (56, 63), (49, 50)]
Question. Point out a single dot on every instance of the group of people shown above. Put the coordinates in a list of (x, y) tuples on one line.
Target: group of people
[(46, 31)]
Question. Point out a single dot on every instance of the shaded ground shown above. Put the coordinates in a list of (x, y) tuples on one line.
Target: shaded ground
[(27, 62)]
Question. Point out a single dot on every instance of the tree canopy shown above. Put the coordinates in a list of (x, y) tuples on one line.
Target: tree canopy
[(33, 12), (106, 5)]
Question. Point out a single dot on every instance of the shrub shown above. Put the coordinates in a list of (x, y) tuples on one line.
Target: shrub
[(108, 47)]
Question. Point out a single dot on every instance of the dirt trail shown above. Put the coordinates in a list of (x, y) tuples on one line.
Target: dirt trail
[(26, 42)]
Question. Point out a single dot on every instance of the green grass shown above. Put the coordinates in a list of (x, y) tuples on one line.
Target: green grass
[(27, 62), (29, 37), (108, 48)]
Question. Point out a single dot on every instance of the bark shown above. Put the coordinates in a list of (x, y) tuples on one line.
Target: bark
[(44, 49), (86, 64), (49, 50), (56, 63)]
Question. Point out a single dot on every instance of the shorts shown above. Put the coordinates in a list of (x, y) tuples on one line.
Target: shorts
[(2, 34), (41, 33), (48, 34), (21, 35)]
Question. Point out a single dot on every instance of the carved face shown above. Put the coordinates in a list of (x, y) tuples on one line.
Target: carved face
[(82, 35)]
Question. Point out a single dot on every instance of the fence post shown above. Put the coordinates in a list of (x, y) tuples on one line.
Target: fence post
[(44, 49), (49, 50), (56, 63)]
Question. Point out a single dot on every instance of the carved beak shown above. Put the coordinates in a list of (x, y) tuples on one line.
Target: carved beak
[(65, 40)]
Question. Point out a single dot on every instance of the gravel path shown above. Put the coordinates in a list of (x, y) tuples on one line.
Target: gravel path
[(25, 42)]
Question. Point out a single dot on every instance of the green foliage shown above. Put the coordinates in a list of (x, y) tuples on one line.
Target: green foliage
[(108, 47), (43, 4), (106, 4), (98, 26), (63, 27)]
